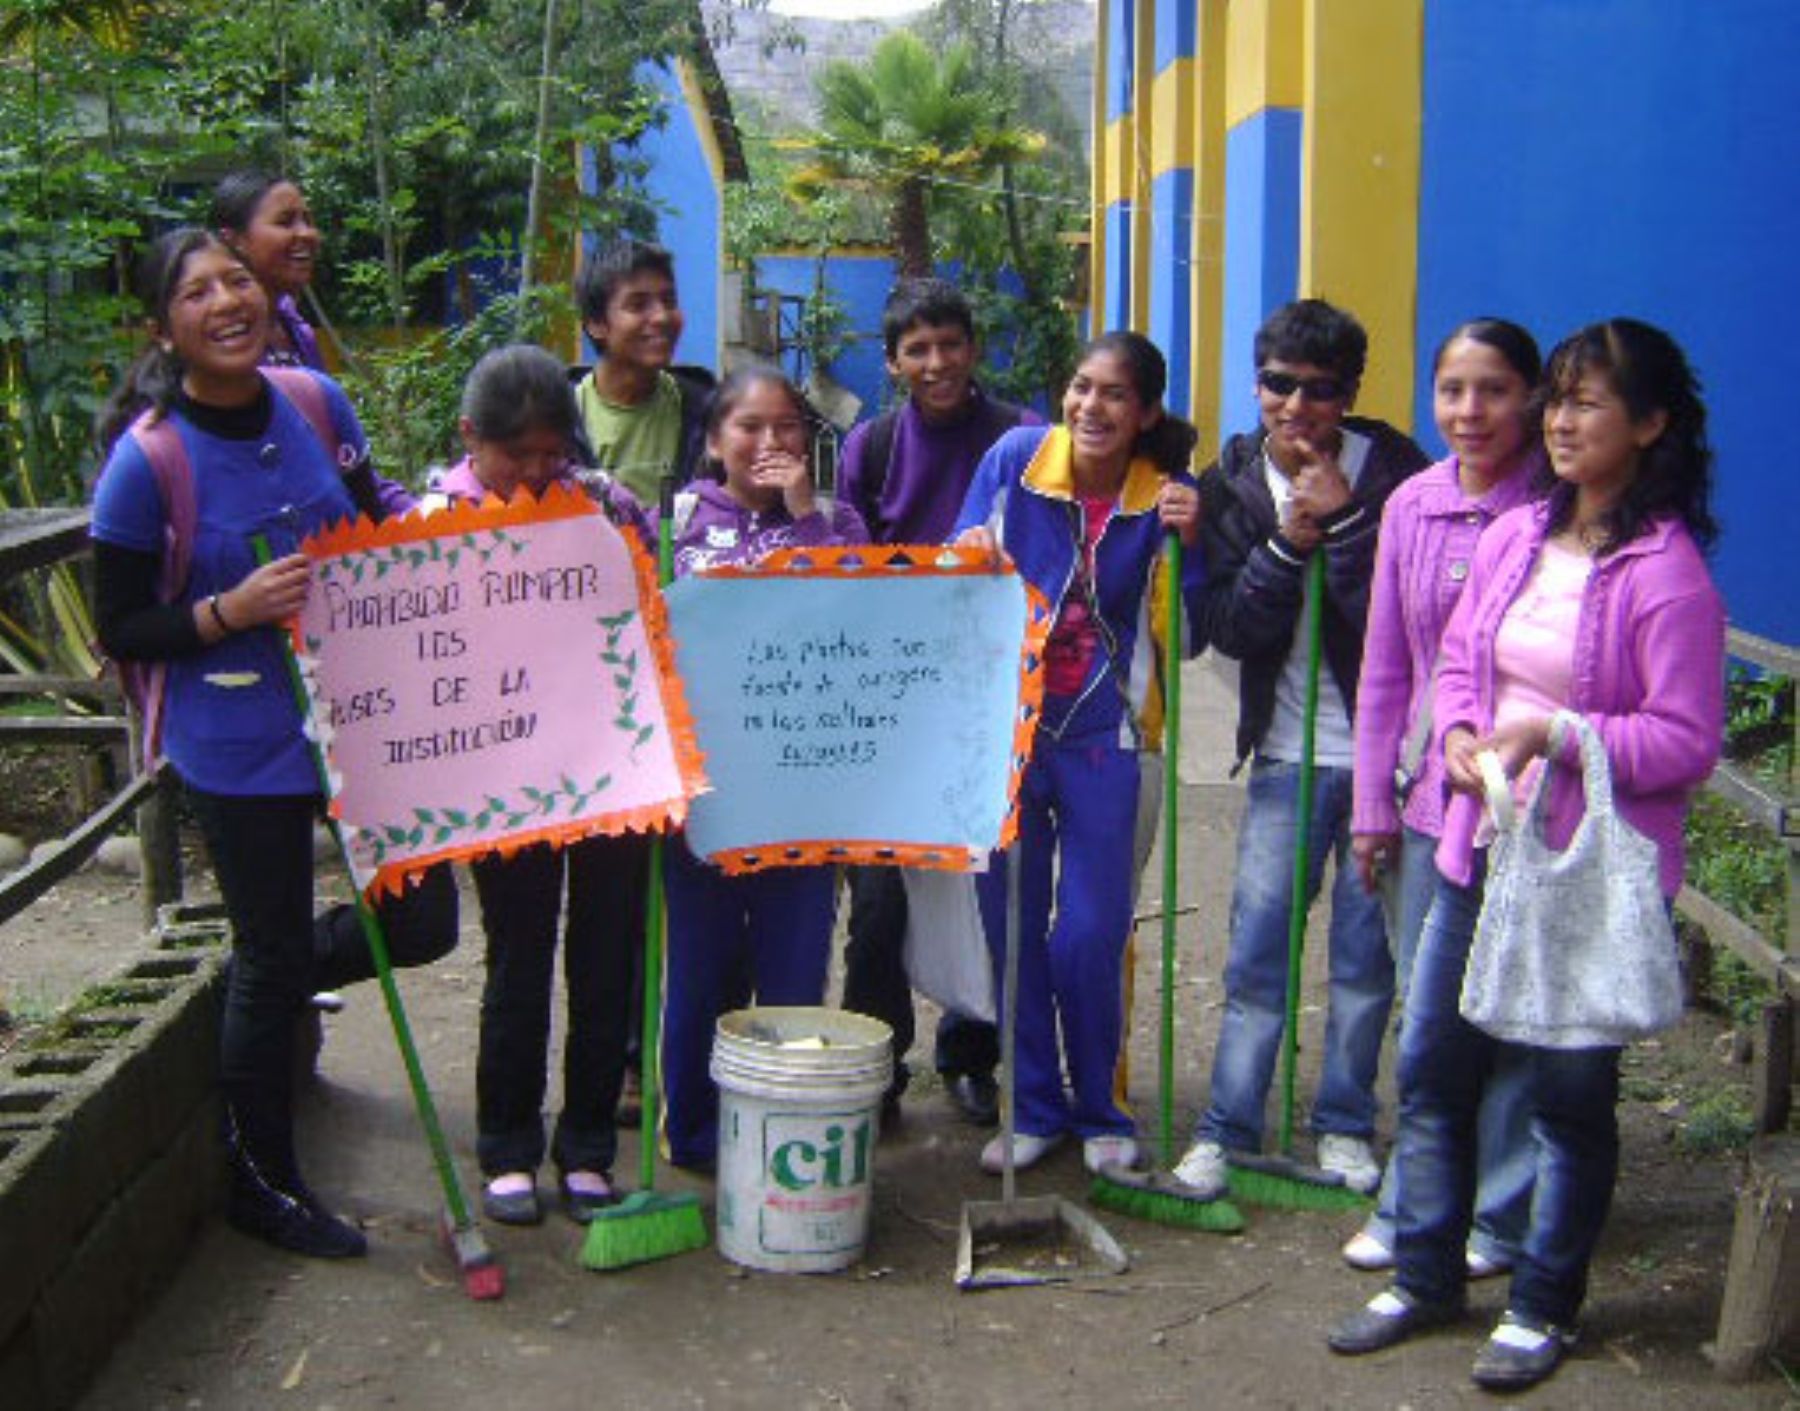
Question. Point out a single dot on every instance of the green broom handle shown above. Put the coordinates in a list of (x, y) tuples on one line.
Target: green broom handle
[(1171, 781), (650, 1027), (378, 952), (1314, 611)]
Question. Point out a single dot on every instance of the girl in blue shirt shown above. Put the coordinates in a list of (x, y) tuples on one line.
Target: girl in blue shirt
[(230, 727)]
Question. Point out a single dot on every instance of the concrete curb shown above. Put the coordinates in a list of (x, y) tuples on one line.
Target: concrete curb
[(109, 1158)]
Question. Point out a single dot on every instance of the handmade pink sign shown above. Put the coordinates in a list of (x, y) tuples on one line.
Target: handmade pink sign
[(490, 676)]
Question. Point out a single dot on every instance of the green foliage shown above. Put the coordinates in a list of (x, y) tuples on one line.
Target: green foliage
[(1717, 1123), (903, 124)]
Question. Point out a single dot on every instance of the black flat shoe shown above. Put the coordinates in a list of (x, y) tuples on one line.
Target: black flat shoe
[(512, 1207), (296, 1222), (976, 1096), (1391, 1317), (1520, 1354), (581, 1206)]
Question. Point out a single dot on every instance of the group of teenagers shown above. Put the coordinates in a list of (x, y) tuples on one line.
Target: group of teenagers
[(1553, 560)]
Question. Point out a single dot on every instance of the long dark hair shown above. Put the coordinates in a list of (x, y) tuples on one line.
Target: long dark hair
[(521, 388), (1170, 442), (154, 379), (1650, 373), (237, 196)]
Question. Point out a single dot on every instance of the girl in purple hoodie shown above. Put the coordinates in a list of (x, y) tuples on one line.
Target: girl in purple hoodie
[(1596, 600), (771, 929), (521, 430)]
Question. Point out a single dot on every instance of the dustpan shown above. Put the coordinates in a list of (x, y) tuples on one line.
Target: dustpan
[(1044, 1239)]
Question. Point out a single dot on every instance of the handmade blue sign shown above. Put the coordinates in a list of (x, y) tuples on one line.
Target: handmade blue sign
[(857, 709)]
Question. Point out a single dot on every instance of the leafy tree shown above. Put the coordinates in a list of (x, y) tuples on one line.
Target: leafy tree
[(901, 126)]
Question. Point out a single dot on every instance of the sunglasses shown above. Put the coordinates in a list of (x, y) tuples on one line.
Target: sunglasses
[(1312, 389)]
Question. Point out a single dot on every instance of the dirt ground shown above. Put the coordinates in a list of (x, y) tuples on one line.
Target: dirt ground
[(1198, 1320)]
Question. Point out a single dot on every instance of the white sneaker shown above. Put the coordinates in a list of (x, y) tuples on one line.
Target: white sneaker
[(1027, 1151), (1480, 1266), (1203, 1168), (1353, 1159), (1368, 1252), (1097, 1153)]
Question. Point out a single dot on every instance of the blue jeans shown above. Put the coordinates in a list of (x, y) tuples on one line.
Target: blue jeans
[(1362, 971), (1446, 1065), (1506, 1159)]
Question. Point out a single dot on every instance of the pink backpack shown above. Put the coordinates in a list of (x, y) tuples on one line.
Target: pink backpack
[(157, 438)]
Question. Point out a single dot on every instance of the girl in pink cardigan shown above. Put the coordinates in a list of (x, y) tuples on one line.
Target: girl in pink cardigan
[(1483, 380), (1597, 600)]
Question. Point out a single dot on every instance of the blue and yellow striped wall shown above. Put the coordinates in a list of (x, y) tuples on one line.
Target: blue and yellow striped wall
[(1424, 161)]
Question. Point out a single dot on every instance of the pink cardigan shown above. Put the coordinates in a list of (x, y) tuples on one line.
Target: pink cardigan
[(1649, 675), (1428, 534)]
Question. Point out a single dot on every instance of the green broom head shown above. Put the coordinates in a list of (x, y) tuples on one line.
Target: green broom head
[(1280, 1183), (642, 1228), (1162, 1200)]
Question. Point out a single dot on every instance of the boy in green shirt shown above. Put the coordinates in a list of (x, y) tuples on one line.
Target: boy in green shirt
[(642, 414)]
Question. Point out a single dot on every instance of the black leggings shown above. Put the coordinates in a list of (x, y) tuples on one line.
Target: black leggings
[(262, 854)]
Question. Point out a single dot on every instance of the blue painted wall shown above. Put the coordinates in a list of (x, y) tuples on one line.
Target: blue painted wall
[(1120, 33), (1647, 168), (1115, 308), (680, 188), (1171, 278), (1262, 248), (858, 282)]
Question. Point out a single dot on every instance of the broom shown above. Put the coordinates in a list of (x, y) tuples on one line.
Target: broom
[(482, 1276), (1155, 1195), (1279, 1181), (649, 1224)]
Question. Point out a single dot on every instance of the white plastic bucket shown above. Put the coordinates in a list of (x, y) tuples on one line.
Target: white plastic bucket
[(799, 1112)]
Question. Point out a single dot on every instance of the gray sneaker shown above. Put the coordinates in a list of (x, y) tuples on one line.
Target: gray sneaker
[(1353, 1159)]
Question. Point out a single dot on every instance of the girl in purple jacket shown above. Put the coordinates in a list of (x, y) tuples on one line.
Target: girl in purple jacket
[(765, 932), (1596, 600), (522, 431), (1483, 380)]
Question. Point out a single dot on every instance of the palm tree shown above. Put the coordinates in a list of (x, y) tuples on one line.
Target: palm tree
[(907, 119)]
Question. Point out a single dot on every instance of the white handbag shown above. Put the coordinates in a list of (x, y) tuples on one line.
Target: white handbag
[(1574, 949)]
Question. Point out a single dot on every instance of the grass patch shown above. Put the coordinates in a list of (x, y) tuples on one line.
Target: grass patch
[(1718, 1123)]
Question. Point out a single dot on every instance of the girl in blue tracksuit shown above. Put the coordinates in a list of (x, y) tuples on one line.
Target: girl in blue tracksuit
[(770, 929), (1081, 509)]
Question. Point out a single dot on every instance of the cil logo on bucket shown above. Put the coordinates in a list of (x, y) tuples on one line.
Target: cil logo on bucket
[(815, 1153)]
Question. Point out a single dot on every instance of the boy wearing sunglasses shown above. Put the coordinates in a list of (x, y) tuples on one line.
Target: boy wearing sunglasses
[(1311, 479)]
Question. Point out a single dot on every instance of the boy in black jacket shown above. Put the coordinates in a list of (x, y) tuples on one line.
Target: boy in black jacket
[(1311, 480)]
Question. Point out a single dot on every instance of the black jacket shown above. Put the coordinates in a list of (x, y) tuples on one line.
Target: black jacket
[(1255, 579)]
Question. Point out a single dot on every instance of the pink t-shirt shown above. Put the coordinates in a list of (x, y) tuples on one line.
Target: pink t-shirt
[(1534, 650), (1074, 637)]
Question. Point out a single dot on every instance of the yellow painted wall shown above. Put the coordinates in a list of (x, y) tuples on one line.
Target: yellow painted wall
[(1359, 192), (1263, 62), (1100, 165)]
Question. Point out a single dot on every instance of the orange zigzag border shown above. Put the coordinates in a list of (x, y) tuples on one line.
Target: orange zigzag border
[(557, 502), (887, 561)]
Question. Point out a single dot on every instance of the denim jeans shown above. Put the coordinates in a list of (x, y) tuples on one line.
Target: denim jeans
[(1361, 970), (1446, 1064), (261, 848), (521, 904), (1507, 1160)]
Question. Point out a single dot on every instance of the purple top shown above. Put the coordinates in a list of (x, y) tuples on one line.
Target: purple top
[(304, 341), (1649, 676), (460, 482), (718, 530), (1428, 534), (928, 471)]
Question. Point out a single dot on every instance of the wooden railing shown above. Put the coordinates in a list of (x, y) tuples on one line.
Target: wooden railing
[(38, 539)]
